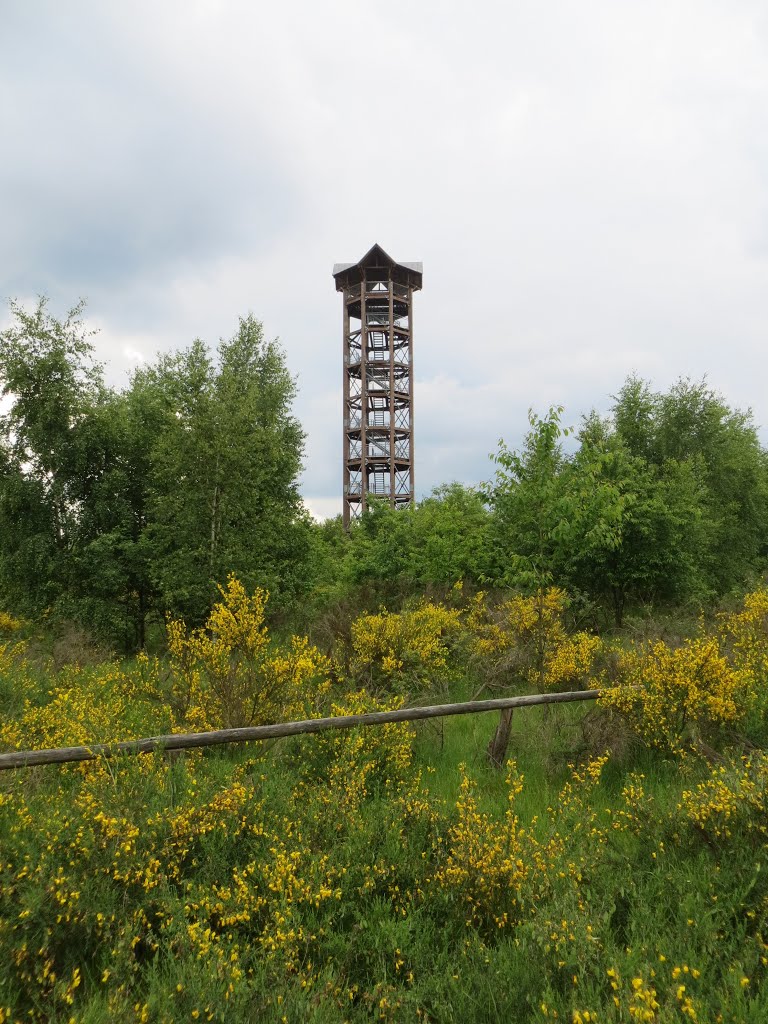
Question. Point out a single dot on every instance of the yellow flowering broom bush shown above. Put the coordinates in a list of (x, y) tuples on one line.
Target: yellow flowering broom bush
[(406, 652), (9, 623), (85, 705), (323, 878), (356, 764), (743, 636), (675, 697), (486, 863), (329, 884), (731, 803), (523, 640), (229, 673), (708, 688), (17, 685)]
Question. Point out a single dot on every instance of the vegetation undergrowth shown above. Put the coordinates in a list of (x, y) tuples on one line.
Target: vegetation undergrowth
[(614, 871)]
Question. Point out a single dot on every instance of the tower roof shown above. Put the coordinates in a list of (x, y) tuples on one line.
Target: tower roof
[(351, 273)]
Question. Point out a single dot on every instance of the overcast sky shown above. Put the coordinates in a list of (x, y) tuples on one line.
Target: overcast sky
[(586, 183)]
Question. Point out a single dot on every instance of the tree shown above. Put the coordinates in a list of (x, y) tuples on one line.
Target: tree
[(48, 373), (527, 497), (223, 480), (451, 537), (115, 594), (72, 481), (119, 505), (602, 521), (692, 426), (435, 543), (633, 532)]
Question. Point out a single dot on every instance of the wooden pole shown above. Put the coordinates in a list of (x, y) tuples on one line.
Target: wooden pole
[(363, 397), (497, 748), (346, 413), (190, 741)]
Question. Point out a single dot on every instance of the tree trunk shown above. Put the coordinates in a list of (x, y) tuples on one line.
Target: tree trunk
[(618, 606), (497, 748), (141, 620), (214, 525)]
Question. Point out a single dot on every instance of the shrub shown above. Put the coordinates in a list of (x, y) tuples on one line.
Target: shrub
[(524, 640), (675, 698), (486, 861), (230, 673), (9, 624), (404, 653), (744, 637), (697, 694), (732, 804)]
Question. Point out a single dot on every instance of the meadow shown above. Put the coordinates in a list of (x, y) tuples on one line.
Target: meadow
[(614, 870)]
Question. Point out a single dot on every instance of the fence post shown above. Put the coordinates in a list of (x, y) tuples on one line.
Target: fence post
[(497, 748)]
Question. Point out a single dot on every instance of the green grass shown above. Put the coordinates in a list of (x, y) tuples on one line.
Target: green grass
[(644, 902)]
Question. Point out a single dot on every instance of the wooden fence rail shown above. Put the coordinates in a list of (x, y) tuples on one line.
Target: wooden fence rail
[(189, 741)]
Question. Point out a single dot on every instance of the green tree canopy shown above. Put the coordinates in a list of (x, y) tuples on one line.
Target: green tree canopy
[(117, 505), (692, 426), (223, 482), (665, 500)]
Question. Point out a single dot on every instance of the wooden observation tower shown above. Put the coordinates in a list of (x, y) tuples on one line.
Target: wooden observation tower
[(378, 379)]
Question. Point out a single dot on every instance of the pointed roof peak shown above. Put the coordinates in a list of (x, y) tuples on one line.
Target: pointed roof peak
[(351, 273), (376, 257)]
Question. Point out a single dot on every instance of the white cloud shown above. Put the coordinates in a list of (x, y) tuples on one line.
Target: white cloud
[(133, 354), (323, 508), (587, 186)]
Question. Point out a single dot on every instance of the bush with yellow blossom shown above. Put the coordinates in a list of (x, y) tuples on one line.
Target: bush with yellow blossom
[(359, 876), (229, 673), (709, 687), (674, 697), (732, 803), (406, 652), (486, 861), (743, 636), (9, 623), (523, 640)]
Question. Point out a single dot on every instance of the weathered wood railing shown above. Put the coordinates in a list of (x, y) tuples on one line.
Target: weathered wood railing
[(190, 741)]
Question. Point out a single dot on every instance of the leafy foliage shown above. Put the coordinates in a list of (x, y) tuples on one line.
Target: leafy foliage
[(228, 673), (347, 876), (665, 502), (117, 506), (222, 487)]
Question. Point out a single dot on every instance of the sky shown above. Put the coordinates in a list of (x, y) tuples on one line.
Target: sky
[(585, 182)]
